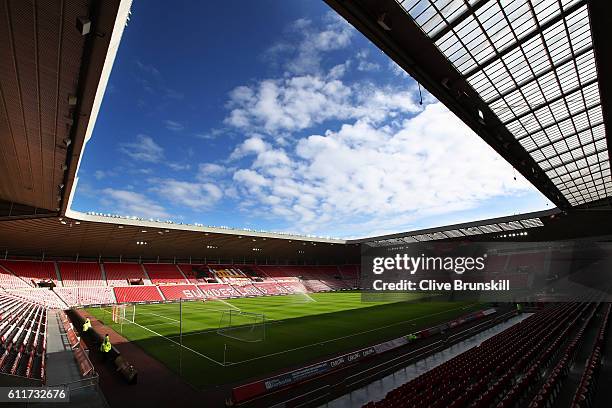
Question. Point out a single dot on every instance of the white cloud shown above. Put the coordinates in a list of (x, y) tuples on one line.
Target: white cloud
[(144, 149), (210, 135), (364, 63), (210, 171), (382, 175), (174, 125), (253, 144), (338, 71), (99, 174), (179, 166), (300, 102), (397, 70), (383, 163), (303, 55), (251, 180), (199, 196), (132, 204)]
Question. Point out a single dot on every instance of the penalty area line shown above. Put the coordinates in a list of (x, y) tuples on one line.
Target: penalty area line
[(177, 343)]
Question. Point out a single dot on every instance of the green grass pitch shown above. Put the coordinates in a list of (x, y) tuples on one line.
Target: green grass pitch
[(299, 329)]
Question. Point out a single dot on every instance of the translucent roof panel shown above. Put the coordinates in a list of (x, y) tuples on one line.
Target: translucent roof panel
[(461, 232), (433, 16), (533, 63)]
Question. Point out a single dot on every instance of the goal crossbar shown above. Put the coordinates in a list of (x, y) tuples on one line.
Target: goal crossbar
[(242, 326)]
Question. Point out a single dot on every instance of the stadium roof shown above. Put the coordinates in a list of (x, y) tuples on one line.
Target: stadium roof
[(92, 236), (503, 225), (528, 76), (55, 59)]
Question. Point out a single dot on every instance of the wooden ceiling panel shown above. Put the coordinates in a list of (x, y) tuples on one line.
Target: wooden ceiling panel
[(51, 237), (40, 64)]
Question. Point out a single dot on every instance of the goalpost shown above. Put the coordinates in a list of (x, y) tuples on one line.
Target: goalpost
[(242, 326), (124, 313)]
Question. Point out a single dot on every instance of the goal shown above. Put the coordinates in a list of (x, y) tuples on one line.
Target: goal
[(124, 313), (242, 326)]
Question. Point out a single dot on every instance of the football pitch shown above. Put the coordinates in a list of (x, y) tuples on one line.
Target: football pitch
[(298, 329)]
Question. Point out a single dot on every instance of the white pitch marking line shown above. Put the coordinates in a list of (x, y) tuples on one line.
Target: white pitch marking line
[(178, 344)]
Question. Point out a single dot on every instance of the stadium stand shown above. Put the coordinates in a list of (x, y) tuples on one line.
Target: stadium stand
[(314, 278), (229, 274), (81, 274), (350, 274), (262, 273), (496, 263), (78, 296), (165, 273), (247, 290), (293, 287), (8, 280), (583, 396), (137, 293), (31, 271), (120, 274), (517, 262), (22, 337), (196, 273), (41, 296), (218, 291), (278, 272), (271, 288), (175, 292), (504, 370), (314, 285)]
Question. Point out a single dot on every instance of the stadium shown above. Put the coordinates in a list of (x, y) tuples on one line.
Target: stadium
[(113, 309)]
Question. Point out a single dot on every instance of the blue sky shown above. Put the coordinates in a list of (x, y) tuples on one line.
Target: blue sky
[(291, 121)]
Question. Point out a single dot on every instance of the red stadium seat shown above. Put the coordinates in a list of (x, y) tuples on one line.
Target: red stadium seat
[(165, 273), (137, 293), (81, 274)]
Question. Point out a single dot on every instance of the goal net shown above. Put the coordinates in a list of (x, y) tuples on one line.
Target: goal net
[(124, 313), (243, 326)]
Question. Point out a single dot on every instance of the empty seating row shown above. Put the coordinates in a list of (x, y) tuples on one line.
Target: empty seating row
[(218, 291), (350, 274), (31, 271), (120, 274), (9, 281), (81, 274), (22, 337), (137, 293), (247, 290), (548, 386), (175, 292), (313, 285), (583, 397), (22, 274), (165, 273), (483, 375), (79, 296), (315, 278), (41, 296), (271, 288)]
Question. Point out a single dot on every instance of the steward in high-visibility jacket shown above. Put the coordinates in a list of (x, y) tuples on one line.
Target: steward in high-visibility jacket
[(106, 345), (86, 325)]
